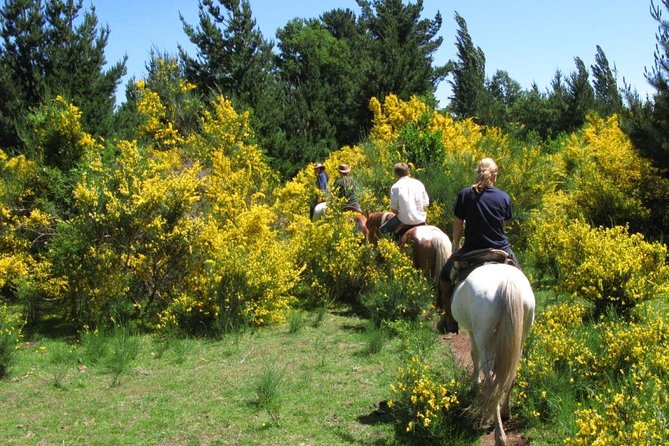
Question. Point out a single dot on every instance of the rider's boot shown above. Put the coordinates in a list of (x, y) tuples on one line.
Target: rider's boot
[(446, 322)]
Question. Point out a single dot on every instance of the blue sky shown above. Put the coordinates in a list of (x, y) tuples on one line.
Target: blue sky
[(530, 39)]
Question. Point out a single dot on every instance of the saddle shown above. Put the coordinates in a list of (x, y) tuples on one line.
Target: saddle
[(402, 228), (467, 262)]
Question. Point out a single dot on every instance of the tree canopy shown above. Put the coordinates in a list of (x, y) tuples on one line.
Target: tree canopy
[(48, 50)]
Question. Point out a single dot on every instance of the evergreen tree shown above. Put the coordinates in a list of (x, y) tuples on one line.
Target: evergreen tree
[(315, 68), (468, 82), (501, 94), (402, 49), (44, 54), (654, 141), (558, 112), (580, 97), (345, 27), (530, 111), (233, 57), (607, 97)]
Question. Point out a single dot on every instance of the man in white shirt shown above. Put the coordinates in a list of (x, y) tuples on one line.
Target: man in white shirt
[(408, 200)]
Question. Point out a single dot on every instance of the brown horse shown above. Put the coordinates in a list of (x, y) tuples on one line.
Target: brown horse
[(374, 221), (361, 224), (430, 247)]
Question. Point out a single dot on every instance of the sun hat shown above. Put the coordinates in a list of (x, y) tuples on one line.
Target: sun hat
[(343, 168), (318, 166)]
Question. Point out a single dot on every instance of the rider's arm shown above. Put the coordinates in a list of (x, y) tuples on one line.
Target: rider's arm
[(458, 226)]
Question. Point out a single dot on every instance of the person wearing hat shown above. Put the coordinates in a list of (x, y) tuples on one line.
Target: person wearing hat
[(321, 178), (345, 188), (322, 185), (408, 200)]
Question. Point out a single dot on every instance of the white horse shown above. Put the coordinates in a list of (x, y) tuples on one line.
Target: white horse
[(319, 210), (495, 304)]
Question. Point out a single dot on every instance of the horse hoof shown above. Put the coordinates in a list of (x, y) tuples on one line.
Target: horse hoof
[(444, 326)]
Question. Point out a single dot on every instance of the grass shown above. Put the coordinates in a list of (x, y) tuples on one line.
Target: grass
[(316, 386)]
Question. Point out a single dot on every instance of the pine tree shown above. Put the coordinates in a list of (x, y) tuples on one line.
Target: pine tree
[(402, 49), (44, 54), (607, 97), (314, 68), (468, 82), (502, 92), (233, 57), (656, 139), (580, 97)]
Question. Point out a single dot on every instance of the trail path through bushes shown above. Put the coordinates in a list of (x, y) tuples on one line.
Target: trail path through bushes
[(461, 348)]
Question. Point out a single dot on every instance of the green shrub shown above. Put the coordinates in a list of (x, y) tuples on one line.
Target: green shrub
[(62, 359), (10, 335), (296, 321), (123, 348), (268, 391)]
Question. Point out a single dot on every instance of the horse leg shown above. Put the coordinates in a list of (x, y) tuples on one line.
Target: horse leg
[(500, 435), (446, 324), (476, 361), (506, 412)]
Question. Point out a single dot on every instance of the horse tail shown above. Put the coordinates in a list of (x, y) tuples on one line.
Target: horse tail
[(442, 248), (506, 346)]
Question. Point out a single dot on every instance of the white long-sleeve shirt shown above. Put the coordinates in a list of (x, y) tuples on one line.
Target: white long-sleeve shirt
[(409, 198)]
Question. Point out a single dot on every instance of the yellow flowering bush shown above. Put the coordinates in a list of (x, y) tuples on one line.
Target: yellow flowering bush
[(393, 114), (156, 126), (167, 110), (427, 403), (614, 369), (605, 175), (399, 291), (624, 418), (606, 266), (630, 399), (57, 136), (248, 277), (20, 227), (336, 262), (133, 240), (556, 347)]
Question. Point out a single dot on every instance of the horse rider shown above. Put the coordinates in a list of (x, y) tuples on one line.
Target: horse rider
[(481, 212), (322, 185), (408, 200), (345, 188)]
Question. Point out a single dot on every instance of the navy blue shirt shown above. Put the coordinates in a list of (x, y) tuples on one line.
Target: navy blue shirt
[(484, 215)]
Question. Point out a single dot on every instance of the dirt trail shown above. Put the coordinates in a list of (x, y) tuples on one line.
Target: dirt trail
[(461, 348)]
